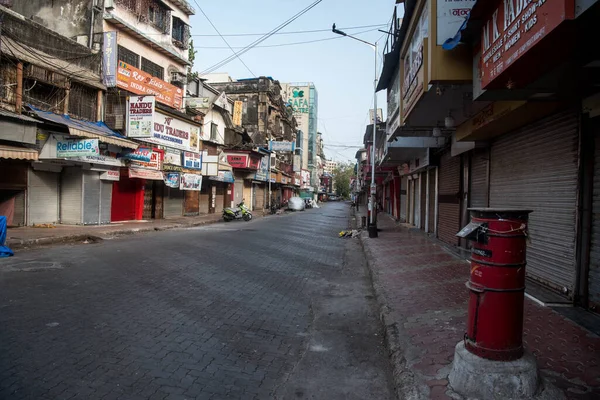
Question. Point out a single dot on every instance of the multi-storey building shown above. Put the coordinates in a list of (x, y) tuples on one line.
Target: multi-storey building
[(58, 159)]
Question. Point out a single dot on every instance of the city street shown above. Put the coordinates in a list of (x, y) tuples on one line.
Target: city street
[(278, 307)]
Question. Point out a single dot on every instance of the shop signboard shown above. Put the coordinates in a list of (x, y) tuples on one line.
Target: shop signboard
[(254, 162), (140, 154), (513, 28), (223, 176), (238, 107), (305, 178), (263, 169), (156, 160), (109, 64), (195, 134), (237, 160), (110, 175), (171, 132), (450, 16), (190, 182), (282, 146), (297, 163), (221, 101), (172, 179), (99, 159), (140, 116), (192, 160), (172, 157), (68, 148), (137, 81)]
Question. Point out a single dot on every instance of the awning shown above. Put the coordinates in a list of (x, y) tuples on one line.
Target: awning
[(142, 173), (18, 153), (390, 65), (87, 129)]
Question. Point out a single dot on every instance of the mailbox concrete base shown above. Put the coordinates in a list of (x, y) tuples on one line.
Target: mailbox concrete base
[(476, 377)]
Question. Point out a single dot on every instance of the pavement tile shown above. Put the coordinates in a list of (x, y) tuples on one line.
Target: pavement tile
[(420, 287)]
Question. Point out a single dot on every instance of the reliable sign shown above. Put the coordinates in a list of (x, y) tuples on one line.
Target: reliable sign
[(76, 148), (514, 27)]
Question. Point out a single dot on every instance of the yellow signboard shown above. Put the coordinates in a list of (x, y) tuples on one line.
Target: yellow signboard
[(237, 113)]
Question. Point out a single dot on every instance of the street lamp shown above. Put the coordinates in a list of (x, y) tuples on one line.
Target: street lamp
[(373, 189)]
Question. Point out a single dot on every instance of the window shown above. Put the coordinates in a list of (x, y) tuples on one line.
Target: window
[(180, 33), (159, 17), (128, 56), (213, 132), (153, 69)]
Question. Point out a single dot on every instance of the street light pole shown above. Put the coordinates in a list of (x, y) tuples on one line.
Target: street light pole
[(373, 186)]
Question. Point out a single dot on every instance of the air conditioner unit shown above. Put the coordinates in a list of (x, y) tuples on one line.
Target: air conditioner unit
[(178, 77)]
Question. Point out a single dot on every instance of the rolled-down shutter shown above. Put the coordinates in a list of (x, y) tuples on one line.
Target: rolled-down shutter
[(403, 198), (105, 201), (449, 198), (594, 271), (43, 197), (91, 197), (536, 167), (479, 180), (173, 203)]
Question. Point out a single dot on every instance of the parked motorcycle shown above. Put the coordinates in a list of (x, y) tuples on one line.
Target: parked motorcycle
[(240, 212)]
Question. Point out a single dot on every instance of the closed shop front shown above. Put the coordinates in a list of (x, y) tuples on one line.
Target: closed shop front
[(191, 203), (43, 197), (127, 198), (403, 198), (593, 274), (204, 205), (220, 197), (536, 167), (85, 197), (173, 202), (13, 186), (238, 192), (449, 198), (478, 187), (431, 211)]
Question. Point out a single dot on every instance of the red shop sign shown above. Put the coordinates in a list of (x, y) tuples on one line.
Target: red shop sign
[(238, 160), (514, 27), (254, 162)]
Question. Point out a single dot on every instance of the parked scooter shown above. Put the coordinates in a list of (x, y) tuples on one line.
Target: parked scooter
[(240, 212)]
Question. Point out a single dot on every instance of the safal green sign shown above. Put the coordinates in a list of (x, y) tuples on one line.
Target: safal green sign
[(298, 102), (76, 148)]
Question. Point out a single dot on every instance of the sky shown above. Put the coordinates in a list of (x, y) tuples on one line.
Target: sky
[(342, 69)]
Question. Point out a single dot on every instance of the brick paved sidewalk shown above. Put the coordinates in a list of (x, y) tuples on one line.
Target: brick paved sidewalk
[(423, 300), (27, 237)]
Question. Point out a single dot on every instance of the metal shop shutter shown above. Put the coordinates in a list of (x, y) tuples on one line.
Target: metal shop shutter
[(70, 195), (220, 200), (91, 197), (479, 178), (403, 198), (43, 197), (594, 271), (173, 203), (105, 201), (536, 167), (449, 198), (238, 192), (431, 173)]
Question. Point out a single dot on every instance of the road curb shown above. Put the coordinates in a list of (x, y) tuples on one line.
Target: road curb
[(403, 378), (26, 244)]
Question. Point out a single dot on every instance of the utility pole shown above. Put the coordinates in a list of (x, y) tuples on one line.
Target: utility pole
[(373, 187)]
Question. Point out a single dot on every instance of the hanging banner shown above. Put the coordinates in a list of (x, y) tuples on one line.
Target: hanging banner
[(109, 64), (66, 148), (237, 113), (137, 81), (140, 154), (190, 182), (194, 138), (192, 160), (156, 160), (140, 116), (100, 159), (143, 173), (223, 176), (172, 179), (282, 146)]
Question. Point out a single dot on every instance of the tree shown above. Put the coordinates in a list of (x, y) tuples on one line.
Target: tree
[(342, 176), (191, 58)]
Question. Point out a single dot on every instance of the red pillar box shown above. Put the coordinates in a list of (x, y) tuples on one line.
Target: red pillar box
[(497, 282)]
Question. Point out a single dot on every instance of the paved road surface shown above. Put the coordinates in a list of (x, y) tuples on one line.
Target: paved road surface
[(274, 308)]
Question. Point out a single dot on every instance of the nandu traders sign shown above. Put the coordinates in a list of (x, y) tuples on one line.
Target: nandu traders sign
[(514, 27), (170, 132), (140, 116)]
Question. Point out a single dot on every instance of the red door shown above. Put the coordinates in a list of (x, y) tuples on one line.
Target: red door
[(127, 199)]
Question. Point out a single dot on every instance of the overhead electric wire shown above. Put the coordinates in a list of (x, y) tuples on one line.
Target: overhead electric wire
[(261, 39), (284, 44), (225, 40)]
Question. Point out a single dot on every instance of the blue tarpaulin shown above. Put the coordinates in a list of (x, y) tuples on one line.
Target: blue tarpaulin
[(4, 251)]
